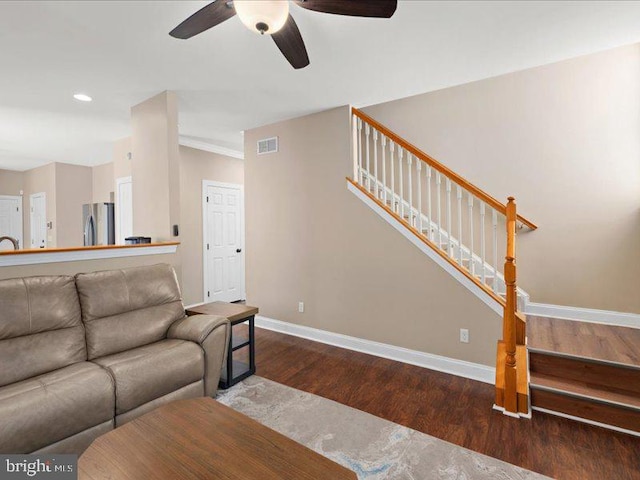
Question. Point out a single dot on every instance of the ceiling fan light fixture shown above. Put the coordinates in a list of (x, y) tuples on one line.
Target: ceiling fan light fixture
[(262, 16)]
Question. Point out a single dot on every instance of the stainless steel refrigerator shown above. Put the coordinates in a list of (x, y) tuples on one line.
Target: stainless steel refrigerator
[(99, 224)]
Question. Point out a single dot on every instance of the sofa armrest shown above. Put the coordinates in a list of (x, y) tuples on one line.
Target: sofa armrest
[(212, 333)]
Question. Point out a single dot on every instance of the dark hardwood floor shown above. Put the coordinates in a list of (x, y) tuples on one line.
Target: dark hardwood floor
[(452, 408)]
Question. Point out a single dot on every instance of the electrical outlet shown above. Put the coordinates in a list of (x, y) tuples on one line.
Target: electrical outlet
[(464, 335), (301, 307)]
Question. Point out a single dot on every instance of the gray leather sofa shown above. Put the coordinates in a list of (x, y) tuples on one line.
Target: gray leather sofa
[(81, 356)]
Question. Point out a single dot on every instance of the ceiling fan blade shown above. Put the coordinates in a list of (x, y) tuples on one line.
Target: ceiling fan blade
[(290, 43), (213, 14), (354, 8)]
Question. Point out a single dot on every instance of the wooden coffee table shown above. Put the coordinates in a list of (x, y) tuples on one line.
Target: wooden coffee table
[(202, 439)]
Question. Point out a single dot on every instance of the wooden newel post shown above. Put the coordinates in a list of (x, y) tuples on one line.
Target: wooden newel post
[(509, 324)]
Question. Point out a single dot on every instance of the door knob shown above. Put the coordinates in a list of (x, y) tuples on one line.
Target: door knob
[(238, 250)]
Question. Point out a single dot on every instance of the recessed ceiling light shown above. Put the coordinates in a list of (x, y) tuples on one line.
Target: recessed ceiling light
[(82, 97)]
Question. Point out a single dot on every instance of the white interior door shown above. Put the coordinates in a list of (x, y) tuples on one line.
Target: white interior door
[(124, 209), (223, 242), (38, 216), (11, 220)]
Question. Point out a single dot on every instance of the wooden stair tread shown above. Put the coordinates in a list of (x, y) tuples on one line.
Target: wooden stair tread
[(579, 408), (579, 369), (607, 343), (584, 389)]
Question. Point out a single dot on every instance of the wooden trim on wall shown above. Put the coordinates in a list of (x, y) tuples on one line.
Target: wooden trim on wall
[(415, 151), (77, 249), (427, 242), (98, 252)]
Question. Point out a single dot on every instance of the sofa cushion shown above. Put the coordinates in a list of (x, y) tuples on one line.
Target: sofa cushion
[(40, 326), (146, 373), (124, 309), (42, 410)]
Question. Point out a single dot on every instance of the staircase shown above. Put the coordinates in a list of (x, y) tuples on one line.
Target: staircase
[(595, 379), (583, 371), (461, 227)]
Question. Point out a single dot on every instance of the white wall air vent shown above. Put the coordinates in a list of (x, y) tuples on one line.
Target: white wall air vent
[(267, 145)]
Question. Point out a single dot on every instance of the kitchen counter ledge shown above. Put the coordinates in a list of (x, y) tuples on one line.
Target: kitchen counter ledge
[(32, 256)]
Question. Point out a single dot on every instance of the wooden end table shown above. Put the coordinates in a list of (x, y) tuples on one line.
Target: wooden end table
[(234, 370), (201, 439)]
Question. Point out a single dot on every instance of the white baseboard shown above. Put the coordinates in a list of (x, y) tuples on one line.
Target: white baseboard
[(583, 314), (460, 368)]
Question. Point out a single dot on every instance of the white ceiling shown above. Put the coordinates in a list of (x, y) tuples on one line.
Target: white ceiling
[(229, 79)]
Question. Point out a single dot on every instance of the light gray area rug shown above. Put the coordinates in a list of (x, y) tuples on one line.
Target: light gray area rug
[(372, 447)]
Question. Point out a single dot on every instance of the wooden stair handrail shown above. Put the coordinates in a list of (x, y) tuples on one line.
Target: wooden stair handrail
[(511, 363), (428, 242), (509, 322), (416, 152)]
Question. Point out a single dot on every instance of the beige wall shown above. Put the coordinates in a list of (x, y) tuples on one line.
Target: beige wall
[(11, 182), (155, 168), (309, 239), (196, 166), (68, 187), (564, 139), (71, 192), (36, 180), (73, 189), (103, 183), (173, 159), (121, 161)]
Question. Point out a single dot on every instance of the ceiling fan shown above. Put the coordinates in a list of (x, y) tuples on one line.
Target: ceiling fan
[(273, 18)]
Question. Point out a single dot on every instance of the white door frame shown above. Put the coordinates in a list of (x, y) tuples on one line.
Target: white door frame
[(118, 208), (20, 207), (211, 183), (46, 232)]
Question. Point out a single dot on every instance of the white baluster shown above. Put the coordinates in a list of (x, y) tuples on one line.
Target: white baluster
[(459, 197), (354, 146), (375, 162), (482, 244), (430, 224), (472, 267), (400, 154), (361, 180), (366, 134), (409, 169), (449, 241), (383, 142), (393, 179), (494, 223), (418, 170), (438, 201)]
